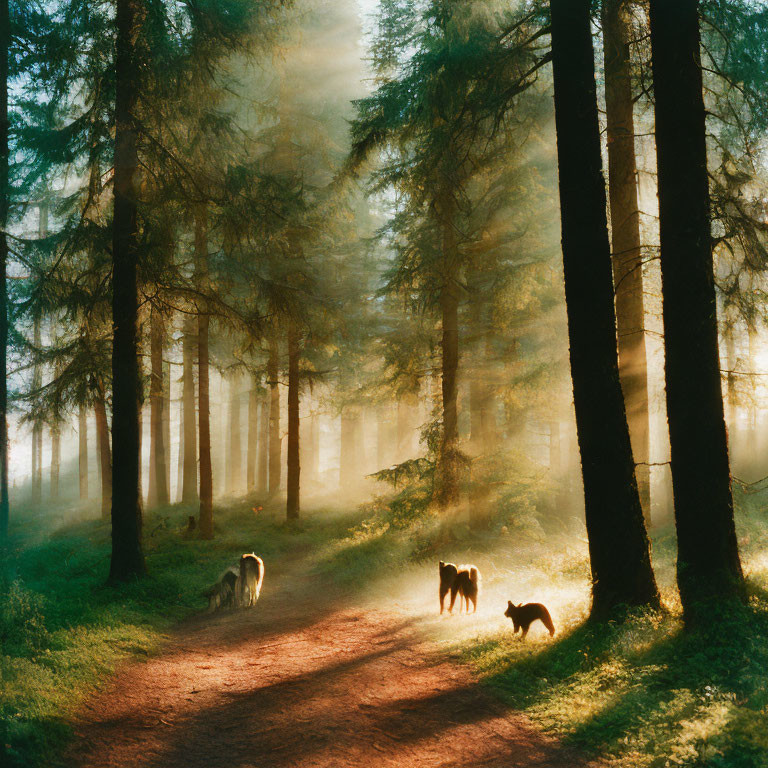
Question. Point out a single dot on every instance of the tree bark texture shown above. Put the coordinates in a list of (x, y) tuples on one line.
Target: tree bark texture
[(625, 238), (253, 438), (618, 543), (82, 454), (127, 555), (708, 565), (233, 459), (274, 416), (262, 474), (189, 494), (158, 485), (293, 475), (105, 453), (203, 379)]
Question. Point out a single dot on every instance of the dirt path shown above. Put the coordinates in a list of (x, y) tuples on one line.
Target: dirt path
[(302, 682)]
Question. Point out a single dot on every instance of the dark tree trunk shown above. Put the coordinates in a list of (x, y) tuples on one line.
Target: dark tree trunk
[(625, 234), (189, 482), (82, 435), (55, 460), (708, 565), (618, 544), (449, 469), (204, 407), (5, 46), (127, 555), (180, 457), (167, 427), (105, 453), (293, 462), (37, 429), (158, 486), (274, 417), (233, 459), (253, 437), (262, 475)]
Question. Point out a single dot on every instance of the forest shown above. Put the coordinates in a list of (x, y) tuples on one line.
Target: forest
[(347, 340)]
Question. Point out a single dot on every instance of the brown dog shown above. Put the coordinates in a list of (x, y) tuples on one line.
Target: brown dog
[(463, 580), (524, 615), (251, 577)]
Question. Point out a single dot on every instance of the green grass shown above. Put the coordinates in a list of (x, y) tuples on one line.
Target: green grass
[(645, 692), (63, 629)]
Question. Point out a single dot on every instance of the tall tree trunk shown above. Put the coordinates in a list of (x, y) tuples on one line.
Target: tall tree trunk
[(158, 486), (127, 555), (618, 544), (708, 565), (189, 486), (180, 456), (262, 475), (293, 454), (55, 460), (167, 426), (203, 382), (253, 437), (82, 434), (274, 416), (625, 233), (448, 493), (233, 459), (753, 449), (105, 453), (5, 55), (37, 429)]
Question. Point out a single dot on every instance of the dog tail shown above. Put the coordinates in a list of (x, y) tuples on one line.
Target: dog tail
[(474, 577), (546, 620)]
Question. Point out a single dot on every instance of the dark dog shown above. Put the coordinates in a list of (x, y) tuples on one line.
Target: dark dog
[(463, 580), (223, 593), (251, 576), (524, 615)]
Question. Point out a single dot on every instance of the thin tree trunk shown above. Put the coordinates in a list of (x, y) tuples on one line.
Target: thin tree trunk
[(206, 475), (274, 417), (625, 233), (105, 454), (5, 47), (55, 460), (158, 487), (253, 437), (180, 458), (37, 429), (189, 487), (448, 494), (293, 454), (167, 427), (708, 565), (233, 459), (82, 423), (618, 544), (262, 477)]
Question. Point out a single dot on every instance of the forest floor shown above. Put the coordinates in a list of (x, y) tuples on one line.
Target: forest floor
[(309, 677), (346, 661)]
